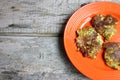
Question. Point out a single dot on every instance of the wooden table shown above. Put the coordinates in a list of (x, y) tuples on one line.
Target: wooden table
[(31, 39)]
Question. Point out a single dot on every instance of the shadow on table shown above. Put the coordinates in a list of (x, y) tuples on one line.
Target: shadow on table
[(69, 67)]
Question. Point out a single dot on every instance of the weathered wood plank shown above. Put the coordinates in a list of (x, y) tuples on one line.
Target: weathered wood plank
[(37, 16), (35, 58), (34, 16)]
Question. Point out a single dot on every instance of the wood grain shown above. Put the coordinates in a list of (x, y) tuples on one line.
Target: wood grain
[(35, 58), (36, 16)]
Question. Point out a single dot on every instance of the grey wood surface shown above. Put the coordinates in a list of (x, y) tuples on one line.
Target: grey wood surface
[(35, 58), (31, 39), (30, 17)]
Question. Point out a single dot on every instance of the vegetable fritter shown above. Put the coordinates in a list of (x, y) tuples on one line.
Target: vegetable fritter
[(89, 42), (105, 25), (112, 54)]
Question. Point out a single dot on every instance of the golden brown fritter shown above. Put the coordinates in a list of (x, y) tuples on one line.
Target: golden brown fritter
[(105, 25), (112, 54), (89, 42)]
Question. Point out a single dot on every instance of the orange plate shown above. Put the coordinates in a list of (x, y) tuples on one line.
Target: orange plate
[(93, 68)]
